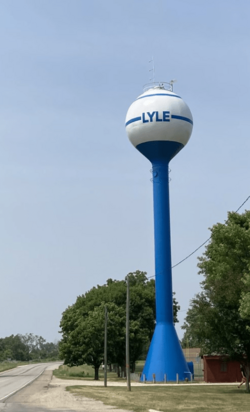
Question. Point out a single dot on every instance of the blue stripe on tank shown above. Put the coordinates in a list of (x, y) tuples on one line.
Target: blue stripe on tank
[(186, 119), (135, 119), (159, 94), (159, 150)]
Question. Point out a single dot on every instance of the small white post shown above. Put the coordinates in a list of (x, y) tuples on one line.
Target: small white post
[(144, 378), (165, 377), (177, 378)]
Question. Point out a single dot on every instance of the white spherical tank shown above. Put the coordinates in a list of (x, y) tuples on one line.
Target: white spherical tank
[(159, 115)]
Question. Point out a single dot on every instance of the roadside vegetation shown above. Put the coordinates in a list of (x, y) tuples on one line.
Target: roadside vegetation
[(82, 324), (29, 347), (218, 320), (4, 366), (168, 398), (75, 372), (86, 372)]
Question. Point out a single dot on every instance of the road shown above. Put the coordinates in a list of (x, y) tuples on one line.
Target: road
[(15, 379), (44, 393)]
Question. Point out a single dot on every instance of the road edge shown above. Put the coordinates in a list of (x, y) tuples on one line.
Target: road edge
[(24, 386)]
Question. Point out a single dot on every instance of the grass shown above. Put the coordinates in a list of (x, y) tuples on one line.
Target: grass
[(4, 366), (75, 372), (168, 398), (139, 366), (85, 372)]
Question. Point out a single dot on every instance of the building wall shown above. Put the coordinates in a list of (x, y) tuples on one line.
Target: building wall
[(219, 369)]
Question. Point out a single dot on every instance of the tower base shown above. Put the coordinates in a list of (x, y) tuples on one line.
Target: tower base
[(165, 358)]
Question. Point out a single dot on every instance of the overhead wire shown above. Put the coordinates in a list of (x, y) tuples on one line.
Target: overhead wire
[(188, 256)]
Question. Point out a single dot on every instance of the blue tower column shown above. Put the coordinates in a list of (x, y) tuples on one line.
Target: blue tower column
[(163, 275), (165, 357)]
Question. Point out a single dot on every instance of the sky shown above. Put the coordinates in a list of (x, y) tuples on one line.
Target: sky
[(76, 204)]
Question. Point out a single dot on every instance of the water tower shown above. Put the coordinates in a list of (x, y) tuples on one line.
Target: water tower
[(159, 124)]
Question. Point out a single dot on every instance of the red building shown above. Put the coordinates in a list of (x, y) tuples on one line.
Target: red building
[(220, 369)]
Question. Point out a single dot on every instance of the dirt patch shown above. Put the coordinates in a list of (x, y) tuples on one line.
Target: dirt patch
[(42, 393)]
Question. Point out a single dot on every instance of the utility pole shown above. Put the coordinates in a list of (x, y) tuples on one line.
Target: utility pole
[(105, 345), (127, 338)]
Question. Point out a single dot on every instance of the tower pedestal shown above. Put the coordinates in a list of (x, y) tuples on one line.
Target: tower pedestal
[(165, 356)]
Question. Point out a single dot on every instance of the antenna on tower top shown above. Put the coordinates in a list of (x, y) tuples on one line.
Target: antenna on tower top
[(152, 70), (172, 84)]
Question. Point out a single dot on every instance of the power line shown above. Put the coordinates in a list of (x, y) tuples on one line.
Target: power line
[(191, 253), (202, 243), (242, 204)]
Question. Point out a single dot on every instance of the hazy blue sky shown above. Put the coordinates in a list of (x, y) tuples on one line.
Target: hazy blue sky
[(76, 197)]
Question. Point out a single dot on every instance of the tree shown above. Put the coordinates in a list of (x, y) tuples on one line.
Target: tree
[(176, 308), (77, 320), (192, 324), (38, 348), (27, 347), (245, 298), (218, 320), (13, 348), (85, 342)]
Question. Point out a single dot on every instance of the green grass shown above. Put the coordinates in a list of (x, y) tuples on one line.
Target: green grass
[(168, 398), (4, 366), (83, 372), (87, 372), (139, 366), (75, 372)]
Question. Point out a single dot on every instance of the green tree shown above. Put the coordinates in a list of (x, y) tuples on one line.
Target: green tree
[(245, 297), (75, 321), (192, 323), (13, 348), (85, 342), (176, 308), (27, 347), (38, 348), (214, 321)]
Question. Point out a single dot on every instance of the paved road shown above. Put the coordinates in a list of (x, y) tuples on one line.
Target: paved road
[(13, 380)]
